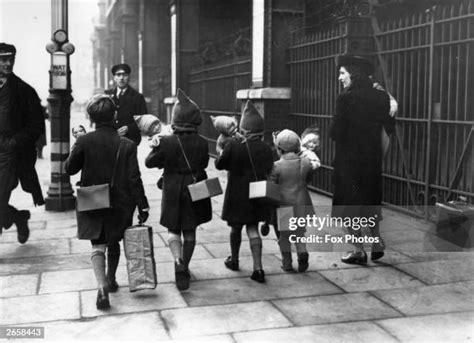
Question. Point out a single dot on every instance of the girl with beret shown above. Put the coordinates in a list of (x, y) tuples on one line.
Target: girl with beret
[(362, 113), (184, 157), (247, 160)]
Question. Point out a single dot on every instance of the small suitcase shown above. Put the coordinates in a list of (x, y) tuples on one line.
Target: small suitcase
[(455, 223), (141, 268)]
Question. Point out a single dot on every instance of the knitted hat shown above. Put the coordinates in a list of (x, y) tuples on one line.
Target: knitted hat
[(147, 123), (185, 111), (360, 61), (7, 49), (288, 141), (251, 121), (125, 68)]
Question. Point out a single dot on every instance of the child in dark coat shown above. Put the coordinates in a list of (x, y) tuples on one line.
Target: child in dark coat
[(291, 173), (247, 160), (184, 156)]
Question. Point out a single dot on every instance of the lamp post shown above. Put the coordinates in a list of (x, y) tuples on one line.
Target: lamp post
[(60, 194)]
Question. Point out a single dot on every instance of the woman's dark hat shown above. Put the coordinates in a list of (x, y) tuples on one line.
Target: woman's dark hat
[(185, 111), (359, 61), (121, 67), (7, 49)]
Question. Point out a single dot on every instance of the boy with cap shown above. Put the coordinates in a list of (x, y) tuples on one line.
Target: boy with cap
[(291, 173), (247, 161), (21, 123), (129, 103)]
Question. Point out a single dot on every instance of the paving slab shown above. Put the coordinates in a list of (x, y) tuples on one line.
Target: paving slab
[(164, 254), (366, 279), (35, 248), (444, 298), (137, 327), (335, 308), (435, 256), (204, 339), (443, 271), (18, 285), (222, 250), (215, 268), (239, 290), (165, 296), (40, 308), (449, 327), (355, 332), (220, 319), (41, 235), (62, 224), (32, 265), (37, 229)]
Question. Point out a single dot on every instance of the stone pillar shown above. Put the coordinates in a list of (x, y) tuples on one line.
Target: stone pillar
[(270, 75)]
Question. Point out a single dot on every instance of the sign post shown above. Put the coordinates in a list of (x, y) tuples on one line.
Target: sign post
[(60, 194)]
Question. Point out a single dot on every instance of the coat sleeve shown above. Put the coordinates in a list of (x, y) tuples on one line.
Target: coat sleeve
[(156, 158), (34, 120), (275, 174), (75, 160), (135, 180), (223, 161), (337, 129)]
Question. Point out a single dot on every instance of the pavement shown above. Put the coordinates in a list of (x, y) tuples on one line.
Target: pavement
[(411, 295)]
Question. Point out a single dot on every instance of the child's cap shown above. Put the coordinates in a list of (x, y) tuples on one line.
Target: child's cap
[(185, 111), (288, 141)]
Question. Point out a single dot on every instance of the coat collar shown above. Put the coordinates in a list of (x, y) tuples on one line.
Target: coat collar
[(290, 156)]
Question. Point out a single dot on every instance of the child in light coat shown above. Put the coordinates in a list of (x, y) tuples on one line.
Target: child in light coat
[(291, 172)]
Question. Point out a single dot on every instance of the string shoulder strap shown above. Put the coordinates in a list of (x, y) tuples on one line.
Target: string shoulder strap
[(251, 160), (187, 162), (115, 164)]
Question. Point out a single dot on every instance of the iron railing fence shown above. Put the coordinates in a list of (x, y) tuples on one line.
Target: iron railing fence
[(428, 68), (214, 88)]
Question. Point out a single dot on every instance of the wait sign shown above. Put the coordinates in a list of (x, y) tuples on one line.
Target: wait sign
[(58, 70)]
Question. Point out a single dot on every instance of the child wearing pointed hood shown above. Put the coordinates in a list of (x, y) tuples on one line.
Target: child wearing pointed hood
[(246, 161), (184, 156)]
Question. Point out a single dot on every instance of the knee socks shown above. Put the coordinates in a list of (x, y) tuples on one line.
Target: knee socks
[(174, 242), (188, 245), (113, 257), (256, 248), (98, 264), (235, 242)]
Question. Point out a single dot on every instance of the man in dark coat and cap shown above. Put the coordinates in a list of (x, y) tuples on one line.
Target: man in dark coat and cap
[(129, 103), (21, 123)]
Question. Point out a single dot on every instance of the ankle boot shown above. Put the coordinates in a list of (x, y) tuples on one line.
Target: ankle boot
[(357, 257), (181, 275), (102, 302), (377, 250), (303, 262)]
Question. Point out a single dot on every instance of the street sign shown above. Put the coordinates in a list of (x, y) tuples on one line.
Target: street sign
[(59, 70)]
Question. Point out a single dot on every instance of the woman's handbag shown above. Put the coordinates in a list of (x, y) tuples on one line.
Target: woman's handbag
[(265, 190), (96, 197), (202, 189), (141, 268)]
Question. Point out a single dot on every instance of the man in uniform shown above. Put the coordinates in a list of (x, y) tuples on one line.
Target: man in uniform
[(129, 103), (21, 123)]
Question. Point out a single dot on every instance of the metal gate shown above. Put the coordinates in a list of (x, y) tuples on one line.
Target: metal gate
[(428, 64)]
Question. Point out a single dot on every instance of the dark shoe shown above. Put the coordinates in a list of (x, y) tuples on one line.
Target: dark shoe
[(22, 229), (232, 265), (358, 257), (102, 302), (258, 275), (113, 286), (265, 229), (303, 262), (377, 250), (181, 275), (286, 262)]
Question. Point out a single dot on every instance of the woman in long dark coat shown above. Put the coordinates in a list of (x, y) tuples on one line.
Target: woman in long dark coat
[(361, 113), (95, 154), (238, 209), (184, 156)]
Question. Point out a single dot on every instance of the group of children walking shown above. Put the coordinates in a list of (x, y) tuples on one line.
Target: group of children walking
[(184, 156)]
